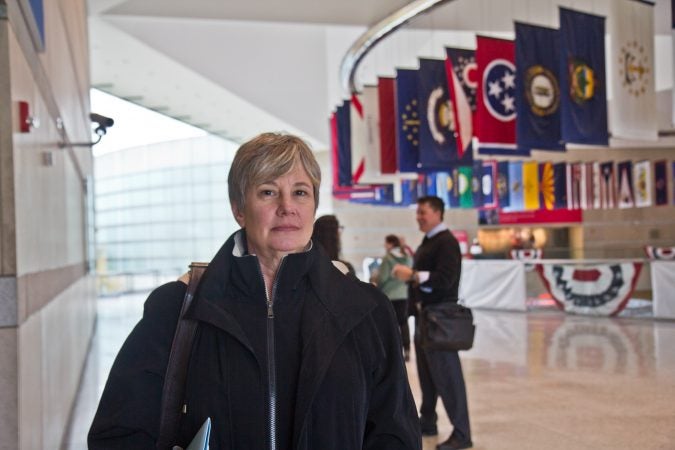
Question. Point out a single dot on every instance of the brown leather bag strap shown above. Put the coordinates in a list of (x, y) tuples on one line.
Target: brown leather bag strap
[(173, 391)]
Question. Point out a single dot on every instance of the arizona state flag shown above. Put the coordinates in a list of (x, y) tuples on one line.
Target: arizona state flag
[(582, 77), (496, 99), (547, 186), (538, 88), (387, 105), (407, 120), (438, 145), (462, 73), (660, 183)]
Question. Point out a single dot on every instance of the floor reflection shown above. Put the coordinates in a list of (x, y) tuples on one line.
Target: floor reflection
[(537, 380)]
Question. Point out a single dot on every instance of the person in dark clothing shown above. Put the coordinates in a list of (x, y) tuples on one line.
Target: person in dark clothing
[(434, 278), (289, 352), (326, 233)]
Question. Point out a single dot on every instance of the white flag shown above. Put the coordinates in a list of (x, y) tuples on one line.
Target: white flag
[(642, 177), (371, 114), (359, 137), (633, 114)]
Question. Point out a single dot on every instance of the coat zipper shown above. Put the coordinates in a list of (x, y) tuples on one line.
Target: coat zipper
[(271, 365)]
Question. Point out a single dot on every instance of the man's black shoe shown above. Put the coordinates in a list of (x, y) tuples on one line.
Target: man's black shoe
[(454, 444)]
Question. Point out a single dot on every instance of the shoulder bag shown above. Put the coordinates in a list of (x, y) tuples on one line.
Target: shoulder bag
[(173, 392), (447, 326)]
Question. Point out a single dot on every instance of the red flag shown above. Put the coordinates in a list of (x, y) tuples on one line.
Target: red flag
[(387, 100), (496, 108), (334, 148)]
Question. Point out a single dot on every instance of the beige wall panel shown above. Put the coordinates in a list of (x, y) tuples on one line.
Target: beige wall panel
[(56, 341), (8, 389)]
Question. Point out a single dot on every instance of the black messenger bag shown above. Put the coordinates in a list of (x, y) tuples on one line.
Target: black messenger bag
[(447, 326)]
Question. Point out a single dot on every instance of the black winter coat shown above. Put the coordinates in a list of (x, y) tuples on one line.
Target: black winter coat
[(347, 387)]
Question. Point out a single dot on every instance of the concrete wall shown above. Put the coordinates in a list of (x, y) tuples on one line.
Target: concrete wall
[(47, 308)]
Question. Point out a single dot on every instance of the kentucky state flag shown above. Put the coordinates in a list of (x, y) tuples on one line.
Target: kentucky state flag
[(407, 120), (634, 113), (438, 145), (582, 77), (462, 73), (537, 88), (496, 99)]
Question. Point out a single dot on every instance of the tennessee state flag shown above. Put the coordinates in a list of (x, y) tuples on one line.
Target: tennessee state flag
[(496, 99)]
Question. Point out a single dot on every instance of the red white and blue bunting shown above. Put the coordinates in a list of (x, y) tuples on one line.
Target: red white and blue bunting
[(661, 253), (591, 289)]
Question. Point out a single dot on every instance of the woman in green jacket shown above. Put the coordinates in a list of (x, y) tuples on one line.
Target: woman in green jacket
[(395, 289)]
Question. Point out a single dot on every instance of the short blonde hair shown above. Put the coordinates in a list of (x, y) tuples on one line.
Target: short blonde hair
[(266, 157)]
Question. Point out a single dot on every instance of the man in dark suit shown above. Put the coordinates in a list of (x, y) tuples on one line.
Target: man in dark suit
[(434, 278)]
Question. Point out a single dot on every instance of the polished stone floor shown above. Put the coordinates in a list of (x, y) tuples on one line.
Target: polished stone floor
[(535, 380)]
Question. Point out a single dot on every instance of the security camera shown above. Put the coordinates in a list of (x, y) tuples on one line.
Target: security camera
[(103, 123)]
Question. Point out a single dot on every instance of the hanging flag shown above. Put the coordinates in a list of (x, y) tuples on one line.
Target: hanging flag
[(531, 185), (626, 196), (596, 185), (453, 187), (574, 186), (464, 184), (582, 77), (546, 186), (438, 145), (590, 185), (476, 188), (462, 74), (488, 184), (607, 185), (634, 115), (442, 187), (660, 183), (344, 145), (371, 117), (430, 182), (560, 185), (516, 199), (503, 184), (496, 98), (359, 137), (334, 149), (387, 106), (407, 120), (408, 192), (538, 88), (642, 180)]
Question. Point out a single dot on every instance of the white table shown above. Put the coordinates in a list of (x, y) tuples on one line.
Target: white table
[(496, 284)]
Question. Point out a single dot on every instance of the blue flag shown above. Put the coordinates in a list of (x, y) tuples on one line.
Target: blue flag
[(537, 88), (503, 184), (407, 120), (560, 185), (516, 197), (408, 192), (438, 144), (476, 186), (582, 78), (344, 145), (453, 188)]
